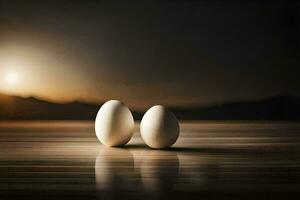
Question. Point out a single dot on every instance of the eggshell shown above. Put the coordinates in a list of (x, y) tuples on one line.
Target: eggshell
[(159, 127), (114, 124)]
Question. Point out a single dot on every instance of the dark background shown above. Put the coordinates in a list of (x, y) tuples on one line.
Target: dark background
[(149, 52), (183, 54)]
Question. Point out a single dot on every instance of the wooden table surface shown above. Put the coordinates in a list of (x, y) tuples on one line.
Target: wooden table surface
[(210, 160)]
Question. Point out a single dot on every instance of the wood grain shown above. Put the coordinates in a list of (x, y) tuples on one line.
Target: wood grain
[(211, 160)]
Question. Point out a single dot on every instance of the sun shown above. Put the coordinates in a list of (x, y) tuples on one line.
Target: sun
[(11, 78)]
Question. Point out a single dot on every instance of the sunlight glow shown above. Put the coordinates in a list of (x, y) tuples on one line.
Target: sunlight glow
[(11, 78)]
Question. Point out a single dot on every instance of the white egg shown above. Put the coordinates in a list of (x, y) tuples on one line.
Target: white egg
[(114, 124), (159, 127)]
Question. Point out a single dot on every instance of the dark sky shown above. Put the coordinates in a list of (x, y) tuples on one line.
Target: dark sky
[(149, 52)]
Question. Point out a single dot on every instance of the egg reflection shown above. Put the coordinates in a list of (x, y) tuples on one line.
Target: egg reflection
[(114, 172), (159, 170)]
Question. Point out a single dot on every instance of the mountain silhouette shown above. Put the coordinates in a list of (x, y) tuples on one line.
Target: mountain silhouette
[(283, 107)]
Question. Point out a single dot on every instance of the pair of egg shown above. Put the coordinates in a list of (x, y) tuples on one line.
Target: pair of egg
[(114, 125)]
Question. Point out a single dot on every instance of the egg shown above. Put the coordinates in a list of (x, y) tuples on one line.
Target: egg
[(114, 124), (159, 127)]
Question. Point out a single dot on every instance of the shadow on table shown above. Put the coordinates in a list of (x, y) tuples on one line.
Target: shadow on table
[(222, 150)]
